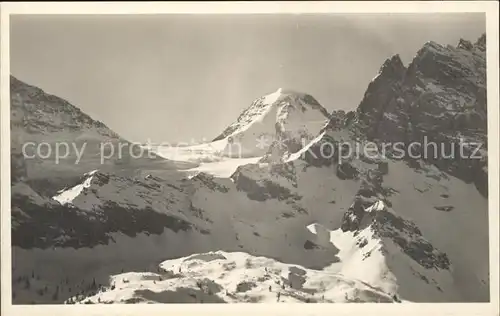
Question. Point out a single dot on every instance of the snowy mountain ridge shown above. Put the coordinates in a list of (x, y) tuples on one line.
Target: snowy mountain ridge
[(369, 227), (284, 115), (363, 273), (38, 117), (221, 277)]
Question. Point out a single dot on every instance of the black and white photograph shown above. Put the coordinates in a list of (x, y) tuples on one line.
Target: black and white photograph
[(275, 158)]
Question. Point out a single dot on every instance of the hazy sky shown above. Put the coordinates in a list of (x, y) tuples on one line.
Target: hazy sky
[(179, 77)]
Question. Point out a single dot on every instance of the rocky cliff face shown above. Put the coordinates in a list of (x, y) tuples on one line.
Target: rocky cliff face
[(61, 143), (394, 225), (89, 213), (440, 97), (34, 111)]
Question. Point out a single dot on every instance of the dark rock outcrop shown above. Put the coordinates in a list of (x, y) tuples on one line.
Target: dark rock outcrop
[(54, 225), (409, 238), (353, 216), (440, 98), (261, 190), (346, 170)]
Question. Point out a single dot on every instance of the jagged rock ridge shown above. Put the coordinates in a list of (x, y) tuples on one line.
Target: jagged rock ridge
[(372, 227), (440, 97)]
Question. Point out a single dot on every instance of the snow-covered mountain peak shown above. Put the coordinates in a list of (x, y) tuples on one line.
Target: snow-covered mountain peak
[(374, 227), (273, 97), (285, 115)]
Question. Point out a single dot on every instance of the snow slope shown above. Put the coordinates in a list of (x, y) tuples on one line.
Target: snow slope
[(224, 168), (67, 196), (364, 273), (222, 277), (62, 143), (267, 210), (286, 116), (200, 153), (278, 124), (368, 226)]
